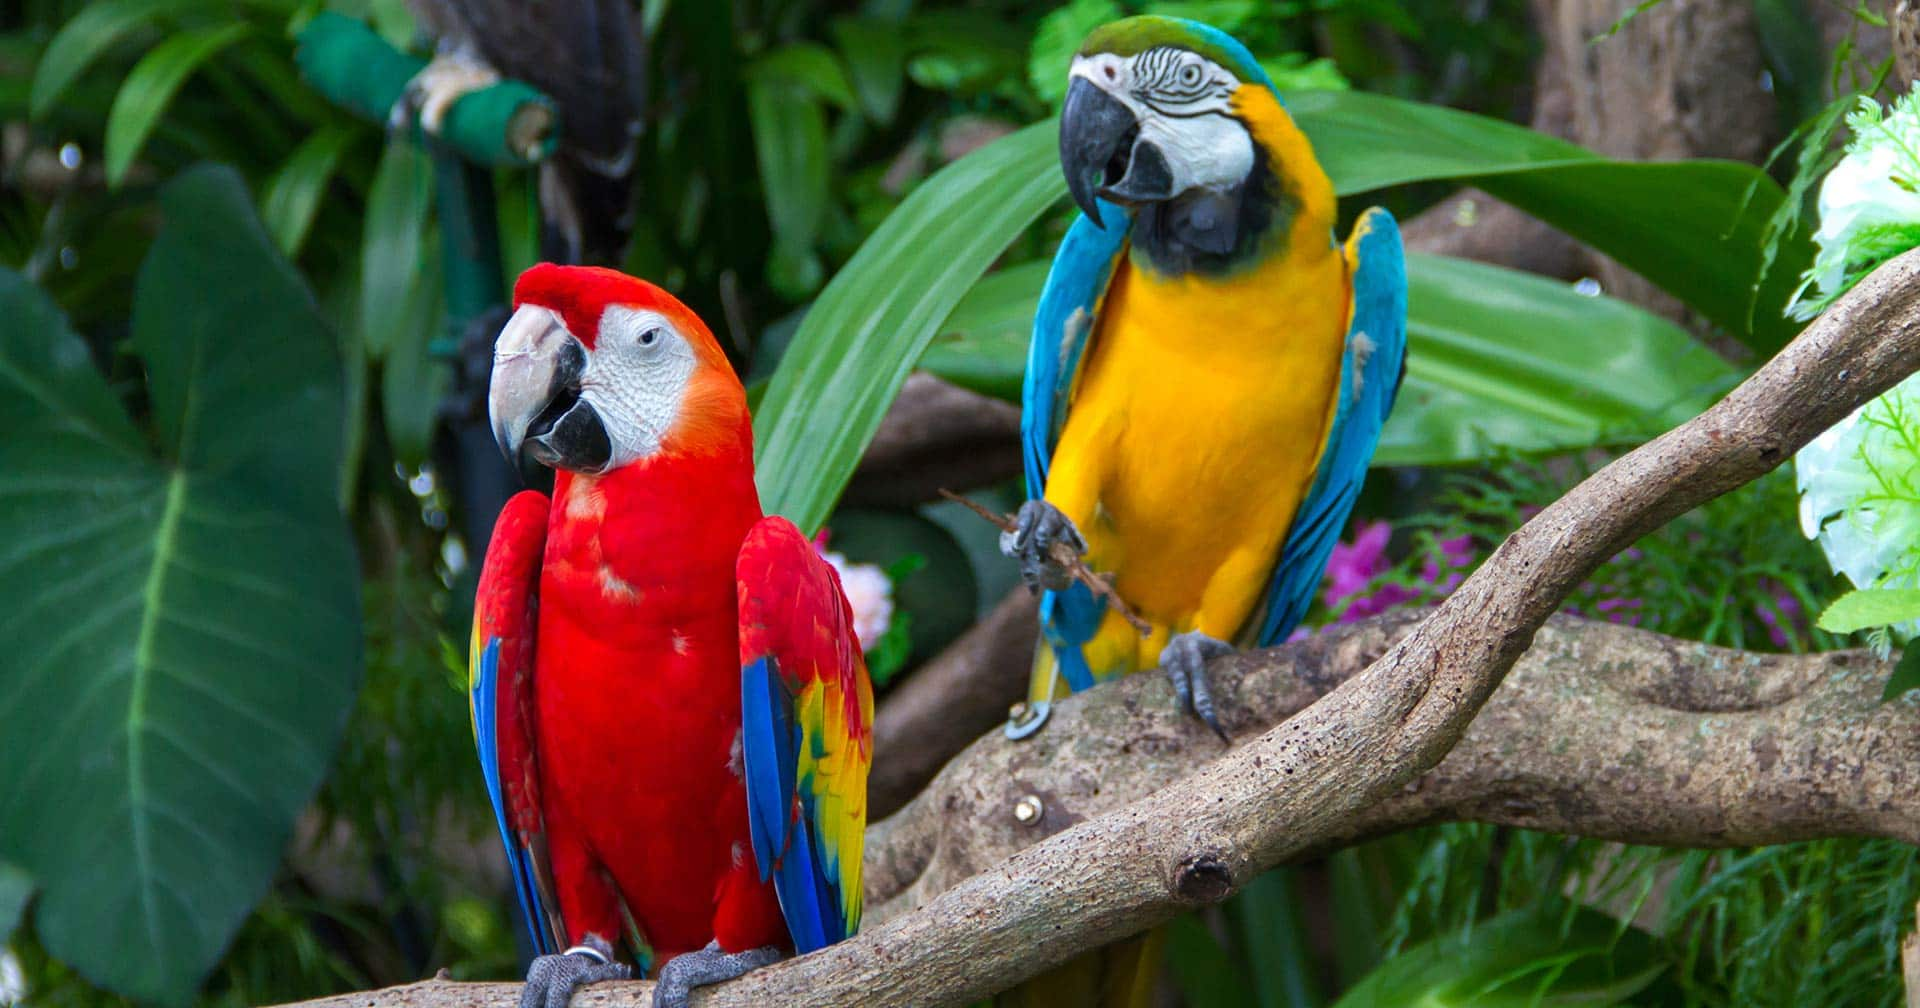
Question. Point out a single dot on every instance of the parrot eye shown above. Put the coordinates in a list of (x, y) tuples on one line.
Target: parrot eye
[(650, 337), (1190, 74)]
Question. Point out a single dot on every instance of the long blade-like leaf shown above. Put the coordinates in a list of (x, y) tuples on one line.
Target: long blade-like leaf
[(1695, 228), (860, 339), (293, 197), (399, 203), (1502, 361), (82, 40), (145, 94)]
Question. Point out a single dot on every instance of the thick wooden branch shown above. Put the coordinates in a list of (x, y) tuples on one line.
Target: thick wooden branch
[(1600, 730), (937, 435), (950, 701)]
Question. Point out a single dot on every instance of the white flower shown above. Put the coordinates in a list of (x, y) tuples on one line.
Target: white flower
[(1860, 492), (869, 593), (13, 979), (1876, 184)]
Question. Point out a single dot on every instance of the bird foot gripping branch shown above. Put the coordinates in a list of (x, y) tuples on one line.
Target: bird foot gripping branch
[(552, 979), (707, 966)]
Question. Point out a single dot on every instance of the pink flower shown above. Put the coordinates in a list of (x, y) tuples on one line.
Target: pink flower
[(1352, 565), (868, 592)]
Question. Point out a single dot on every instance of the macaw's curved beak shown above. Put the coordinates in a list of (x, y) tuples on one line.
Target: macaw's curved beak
[(534, 396), (1103, 155)]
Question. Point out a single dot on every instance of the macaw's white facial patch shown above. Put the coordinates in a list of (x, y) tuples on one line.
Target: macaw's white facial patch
[(636, 380), (1184, 104)]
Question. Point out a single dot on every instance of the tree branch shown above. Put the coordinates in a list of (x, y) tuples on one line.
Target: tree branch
[(1310, 781), (1600, 731), (936, 435), (950, 701)]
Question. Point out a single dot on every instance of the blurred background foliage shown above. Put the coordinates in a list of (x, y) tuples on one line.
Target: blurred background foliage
[(847, 192)]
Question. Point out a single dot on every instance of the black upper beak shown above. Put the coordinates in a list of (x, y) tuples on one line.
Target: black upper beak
[(534, 397), (1103, 155)]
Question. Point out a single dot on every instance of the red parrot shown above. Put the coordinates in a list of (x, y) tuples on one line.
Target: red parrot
[(673, 715)]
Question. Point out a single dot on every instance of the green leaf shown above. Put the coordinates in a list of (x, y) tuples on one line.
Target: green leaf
[(1871, 607), (1203, 971), (808, 65), (1294, 71), (294, 194), (1280, 956), (1526, 958), (790, 142), (861, 337), (1057, 39), (1694, 228), (82, 40), (983, 343), (1905, 677), (876, 56), (1504, 361), (151, 85), (1226, 15), (182, 628), (1480, 379), (399, 203), (413, 382), (16, 888)]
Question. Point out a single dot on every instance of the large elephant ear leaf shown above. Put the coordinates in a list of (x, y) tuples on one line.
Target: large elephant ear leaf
[(179, 610)]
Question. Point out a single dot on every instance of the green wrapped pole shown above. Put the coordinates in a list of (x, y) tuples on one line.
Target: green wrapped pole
[(506, 123)]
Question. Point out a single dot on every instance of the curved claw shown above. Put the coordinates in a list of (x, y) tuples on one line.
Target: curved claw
[(1037, 527), (1185, 658), (710, 965), (552, 979)]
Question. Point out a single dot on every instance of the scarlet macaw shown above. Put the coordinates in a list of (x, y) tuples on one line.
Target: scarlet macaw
[(673, 715), (1209, 369)]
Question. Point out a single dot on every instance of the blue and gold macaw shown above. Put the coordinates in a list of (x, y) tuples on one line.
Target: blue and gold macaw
[(1210, 368)]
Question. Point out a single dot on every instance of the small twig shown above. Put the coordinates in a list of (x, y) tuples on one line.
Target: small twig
[(1063, 555)]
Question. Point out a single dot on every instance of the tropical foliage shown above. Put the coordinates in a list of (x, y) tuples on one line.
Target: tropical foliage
[(237, 540)]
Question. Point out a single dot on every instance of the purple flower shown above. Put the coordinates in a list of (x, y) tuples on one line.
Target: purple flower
[(1354, 566), (1784, 614)]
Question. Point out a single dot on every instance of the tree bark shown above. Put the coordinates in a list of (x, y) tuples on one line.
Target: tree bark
[(949, 702), (1313, 780), (937, 436), (1601, 730)]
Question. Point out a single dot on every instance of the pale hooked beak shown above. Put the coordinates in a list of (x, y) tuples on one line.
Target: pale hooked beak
[(534, 396), (1104, 155)]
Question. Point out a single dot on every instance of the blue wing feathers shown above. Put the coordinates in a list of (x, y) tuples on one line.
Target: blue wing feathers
[(1370, 374), (1069, 304), (486, 726), (779, 811), (1064, 319), (767, 747)]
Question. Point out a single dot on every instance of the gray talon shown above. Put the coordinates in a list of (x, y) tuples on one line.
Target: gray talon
[(1185, 658), (552, 979), (1037, 526), (684, 972)]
